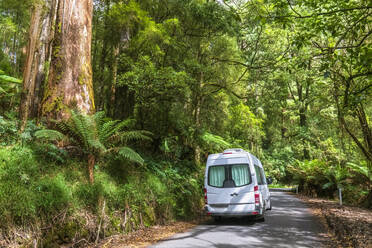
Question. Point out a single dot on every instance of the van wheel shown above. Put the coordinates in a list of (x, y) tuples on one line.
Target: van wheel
[(217, 218), (261, 218)]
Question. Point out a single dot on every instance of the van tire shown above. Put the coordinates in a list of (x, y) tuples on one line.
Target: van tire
[(217, 218), (261, 218)]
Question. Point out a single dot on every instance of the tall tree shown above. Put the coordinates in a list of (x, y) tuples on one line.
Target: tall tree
[(69, 83)]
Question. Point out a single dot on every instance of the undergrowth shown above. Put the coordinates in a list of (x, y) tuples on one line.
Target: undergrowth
[(37, 188)]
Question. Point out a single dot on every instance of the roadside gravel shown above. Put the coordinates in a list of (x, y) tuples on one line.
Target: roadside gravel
[(350, 226)]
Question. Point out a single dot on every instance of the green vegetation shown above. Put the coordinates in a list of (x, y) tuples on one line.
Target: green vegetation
[(44, 184), (178, 80), (96, 136)]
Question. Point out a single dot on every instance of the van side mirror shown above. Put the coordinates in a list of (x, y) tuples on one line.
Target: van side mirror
[(269, 180)]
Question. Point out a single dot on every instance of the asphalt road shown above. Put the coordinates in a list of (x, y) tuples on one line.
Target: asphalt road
[(289, 224)]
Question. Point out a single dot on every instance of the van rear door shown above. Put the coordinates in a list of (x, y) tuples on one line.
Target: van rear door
[(229, 184)]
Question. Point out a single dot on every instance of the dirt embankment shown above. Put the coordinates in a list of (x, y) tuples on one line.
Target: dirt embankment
[(350, 226)]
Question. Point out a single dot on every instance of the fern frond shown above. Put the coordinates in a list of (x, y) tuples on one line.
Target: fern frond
[(48, 134), (361, 170), (127, 123), (96, 146), (123, 124), (72, 128), (99, 119), (212, 139), (129, 154), (135, 135), (108, 129), (84, 127)]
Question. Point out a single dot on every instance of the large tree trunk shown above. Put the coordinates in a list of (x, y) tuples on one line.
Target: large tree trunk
[(37, 60), (123, 43), (69, 83), (30, 69)]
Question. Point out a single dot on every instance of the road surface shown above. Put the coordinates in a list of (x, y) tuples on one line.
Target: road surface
[(289, 224)]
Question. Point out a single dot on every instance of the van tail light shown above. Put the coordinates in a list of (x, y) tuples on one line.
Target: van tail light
[(256, 196), (205, 196)]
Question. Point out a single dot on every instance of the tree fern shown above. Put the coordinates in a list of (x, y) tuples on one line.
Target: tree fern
[(97, 135)]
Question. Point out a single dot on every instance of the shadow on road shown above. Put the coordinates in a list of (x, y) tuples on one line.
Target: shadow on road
[(245, 221)]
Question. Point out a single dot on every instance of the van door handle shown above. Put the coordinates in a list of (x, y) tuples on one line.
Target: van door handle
[(234, 194)]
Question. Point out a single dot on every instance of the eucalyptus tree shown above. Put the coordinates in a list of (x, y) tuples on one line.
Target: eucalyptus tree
[(58, 64)]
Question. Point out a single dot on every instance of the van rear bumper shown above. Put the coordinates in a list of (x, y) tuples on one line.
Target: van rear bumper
[(235, 210)]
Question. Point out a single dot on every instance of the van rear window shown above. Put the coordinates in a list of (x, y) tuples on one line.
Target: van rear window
[(229, 176)]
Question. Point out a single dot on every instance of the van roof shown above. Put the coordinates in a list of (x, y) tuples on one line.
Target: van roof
[(231, 153), (234, 153), (233, 150)]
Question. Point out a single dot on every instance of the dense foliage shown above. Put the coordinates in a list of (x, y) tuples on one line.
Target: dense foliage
[(289, 81)]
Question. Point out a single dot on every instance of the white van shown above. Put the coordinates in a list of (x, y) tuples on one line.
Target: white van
[(235, 185)]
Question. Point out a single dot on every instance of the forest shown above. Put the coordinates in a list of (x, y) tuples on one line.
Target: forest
[(109, 108)]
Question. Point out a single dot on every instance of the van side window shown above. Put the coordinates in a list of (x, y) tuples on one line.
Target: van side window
[(258, 175), (263, 176)]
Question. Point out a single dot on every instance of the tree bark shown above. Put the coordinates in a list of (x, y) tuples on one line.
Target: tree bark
[(37, 59), (302, 114), (30, 68), (69, 84)]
